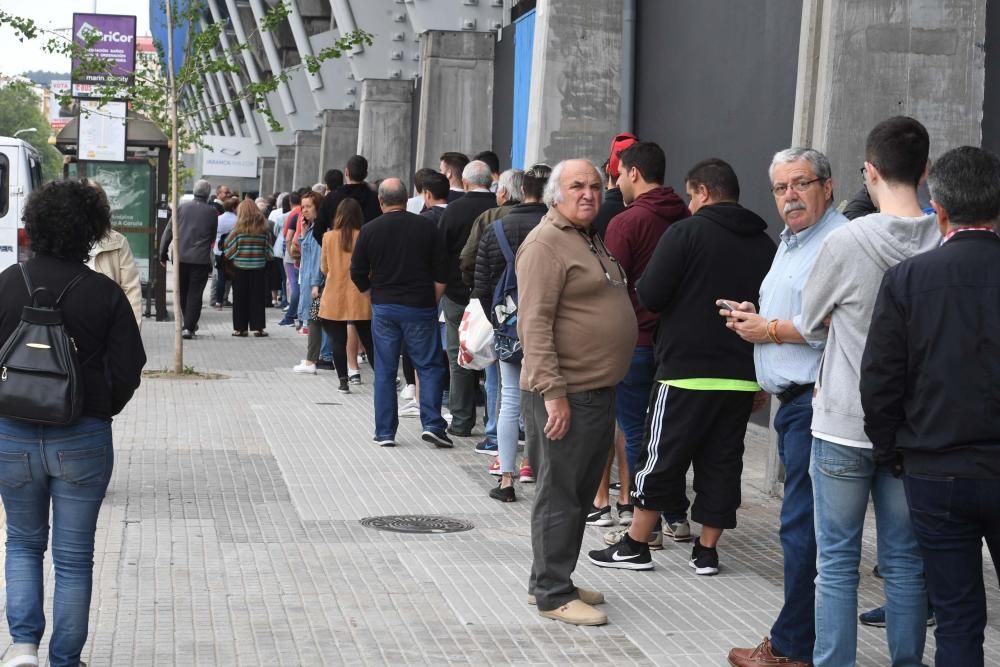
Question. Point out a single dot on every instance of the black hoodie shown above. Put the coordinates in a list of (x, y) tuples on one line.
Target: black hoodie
[(360, 192), (721, 252)]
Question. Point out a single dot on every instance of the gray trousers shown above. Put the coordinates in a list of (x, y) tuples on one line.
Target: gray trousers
[(464, 383), (568, 472)]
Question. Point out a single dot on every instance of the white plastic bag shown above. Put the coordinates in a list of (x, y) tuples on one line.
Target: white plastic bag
[(475, 338)]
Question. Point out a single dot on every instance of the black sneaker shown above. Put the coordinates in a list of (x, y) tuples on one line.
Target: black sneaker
[(600, 516), (324, 365), (355, 379), (186, 335), (437, 439), (343, 388), (504, 494), (704, 560), (623, 556)]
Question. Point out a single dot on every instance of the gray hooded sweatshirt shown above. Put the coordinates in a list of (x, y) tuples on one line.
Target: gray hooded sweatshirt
[(844, 283)]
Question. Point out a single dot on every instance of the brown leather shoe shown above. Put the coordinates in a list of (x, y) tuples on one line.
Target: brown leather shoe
[(588, 596), (762, 656)]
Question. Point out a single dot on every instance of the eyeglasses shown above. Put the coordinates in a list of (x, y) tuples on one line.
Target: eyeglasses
[(864, 173), (593, 248), (799, 186)]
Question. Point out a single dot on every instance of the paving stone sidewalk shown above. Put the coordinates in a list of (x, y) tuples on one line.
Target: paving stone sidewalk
[(231, 536)]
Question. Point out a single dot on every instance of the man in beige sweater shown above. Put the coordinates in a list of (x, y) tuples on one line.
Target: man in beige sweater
[(577, 329)]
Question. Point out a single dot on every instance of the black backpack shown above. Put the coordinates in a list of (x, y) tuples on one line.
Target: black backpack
[(39, 371)]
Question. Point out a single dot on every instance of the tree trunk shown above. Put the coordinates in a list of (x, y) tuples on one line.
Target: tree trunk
[(175, 245)]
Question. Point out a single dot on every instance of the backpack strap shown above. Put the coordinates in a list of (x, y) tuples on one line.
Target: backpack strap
[(73, 283), (33, 291), (502, 242)]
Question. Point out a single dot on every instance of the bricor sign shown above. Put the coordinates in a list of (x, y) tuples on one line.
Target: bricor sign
[(115, 44)]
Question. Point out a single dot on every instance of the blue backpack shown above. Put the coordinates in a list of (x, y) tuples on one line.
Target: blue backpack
[(504, 311)]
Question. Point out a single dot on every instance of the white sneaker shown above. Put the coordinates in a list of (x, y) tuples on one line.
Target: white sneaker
[(446, 416), (20, 655), (303, 367), (409, 391), (410, 409)]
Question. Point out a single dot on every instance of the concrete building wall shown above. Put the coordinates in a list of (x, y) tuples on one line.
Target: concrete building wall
[(284, 169), (717, 79), (339, 138), (456, 103), (384, 128), (873, 60), (307, 158), (574, 108)]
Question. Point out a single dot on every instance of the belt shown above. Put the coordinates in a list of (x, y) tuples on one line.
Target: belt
[(793, 391)]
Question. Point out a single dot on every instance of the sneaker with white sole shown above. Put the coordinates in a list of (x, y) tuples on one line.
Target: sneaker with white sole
[(494, 468), (704, 560), (304, 368), (20, 655), (655, 542), (625, 513), (411, 409), (354, 378), (385, 442), (437, 439), (600, 516), (625, 555), (679, 531), (576, 612), (409, 392)]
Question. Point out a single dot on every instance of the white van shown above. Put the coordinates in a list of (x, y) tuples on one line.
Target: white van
[(20, 174)]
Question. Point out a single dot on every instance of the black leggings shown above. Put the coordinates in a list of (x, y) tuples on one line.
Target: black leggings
[(408, 372), (337, 332)]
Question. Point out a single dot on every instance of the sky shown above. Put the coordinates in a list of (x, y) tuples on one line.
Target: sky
[(17, 57)]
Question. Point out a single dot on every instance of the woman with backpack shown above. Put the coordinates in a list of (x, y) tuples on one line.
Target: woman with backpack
[(68, 465), (491, 264), (342, 303), (309, 277), (248, 247)]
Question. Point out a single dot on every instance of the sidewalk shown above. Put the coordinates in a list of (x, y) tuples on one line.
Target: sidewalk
[(231, 536)]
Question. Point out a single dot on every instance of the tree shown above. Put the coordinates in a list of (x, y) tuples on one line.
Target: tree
[(20, 108), (158, 99)]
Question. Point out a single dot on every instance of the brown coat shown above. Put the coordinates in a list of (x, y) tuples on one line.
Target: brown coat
[(341, 300)]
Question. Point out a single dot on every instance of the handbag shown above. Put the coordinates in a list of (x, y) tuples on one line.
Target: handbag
[(475, 338)]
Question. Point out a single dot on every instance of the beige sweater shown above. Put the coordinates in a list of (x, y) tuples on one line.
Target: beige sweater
[(113, 257), (577, 329)]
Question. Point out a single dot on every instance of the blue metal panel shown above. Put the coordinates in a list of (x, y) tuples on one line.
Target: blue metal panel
[(158, 28), (524, 43)]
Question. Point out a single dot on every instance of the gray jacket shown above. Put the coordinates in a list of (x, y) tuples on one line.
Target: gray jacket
[(844, 283), (197, 223)]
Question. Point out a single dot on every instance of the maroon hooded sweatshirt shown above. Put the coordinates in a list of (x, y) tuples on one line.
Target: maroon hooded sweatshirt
[(632, 236)]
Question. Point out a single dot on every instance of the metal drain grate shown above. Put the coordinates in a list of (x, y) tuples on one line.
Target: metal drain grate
[(416, 523)]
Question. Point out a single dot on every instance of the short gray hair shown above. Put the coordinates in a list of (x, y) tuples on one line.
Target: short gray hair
[(320, 188), (478, 174), (392, 192), (202, 188), (512, 182), (820, 163)]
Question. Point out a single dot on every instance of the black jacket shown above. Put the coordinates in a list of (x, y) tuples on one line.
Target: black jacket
[(930, 373), (721, 252), (612, 205), (99, 319), (490, 262), (360, 192), (456, 223)]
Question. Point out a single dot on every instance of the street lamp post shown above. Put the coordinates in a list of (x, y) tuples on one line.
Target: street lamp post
[(27, 129)]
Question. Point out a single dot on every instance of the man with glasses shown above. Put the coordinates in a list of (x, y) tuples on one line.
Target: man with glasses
[(786, 368), (577, 331), (698, 409)]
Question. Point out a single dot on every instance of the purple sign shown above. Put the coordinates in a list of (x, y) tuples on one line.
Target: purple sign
[(116, 44)]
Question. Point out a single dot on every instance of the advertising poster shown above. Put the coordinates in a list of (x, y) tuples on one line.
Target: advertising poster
[(116, 43), (229, 156), (102, 128), (129, 186)]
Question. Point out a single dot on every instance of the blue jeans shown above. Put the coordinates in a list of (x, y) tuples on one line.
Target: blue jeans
[(950, 518), (843, 478), (325, 348), (392, 327), (69, 466), (492, 389), (510, 414), (632, 399), (794, 631)]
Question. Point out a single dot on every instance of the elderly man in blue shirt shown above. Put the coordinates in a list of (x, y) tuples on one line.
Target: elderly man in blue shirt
[(787, 368)]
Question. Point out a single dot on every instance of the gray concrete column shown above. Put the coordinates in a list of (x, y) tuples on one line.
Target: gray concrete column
[(265, 167), (306, 171), (456, 96), (575, 106), (339, 139), (284, 169), (860, 63), (384, 127)]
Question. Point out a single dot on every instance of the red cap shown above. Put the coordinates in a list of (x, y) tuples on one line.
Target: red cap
[(618, 144)]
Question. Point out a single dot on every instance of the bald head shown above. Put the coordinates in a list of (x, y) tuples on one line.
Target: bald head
[(392, 194)]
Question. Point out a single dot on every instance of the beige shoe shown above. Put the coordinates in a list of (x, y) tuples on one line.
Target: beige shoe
[(615, 536), (577, 612), (586, 595)]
